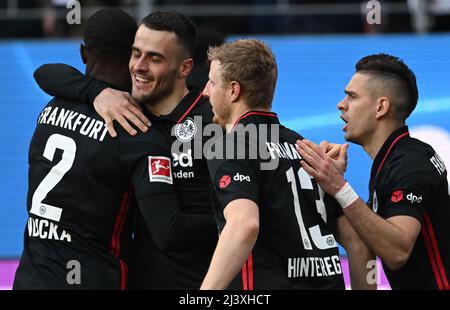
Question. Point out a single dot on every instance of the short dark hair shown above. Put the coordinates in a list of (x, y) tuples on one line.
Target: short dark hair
[(110, 32), (175, 22), (402, 80)]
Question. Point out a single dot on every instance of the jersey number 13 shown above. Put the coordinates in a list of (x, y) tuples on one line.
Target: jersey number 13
[(320, 241)]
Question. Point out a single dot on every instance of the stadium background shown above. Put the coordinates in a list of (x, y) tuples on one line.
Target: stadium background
[(314, 67)]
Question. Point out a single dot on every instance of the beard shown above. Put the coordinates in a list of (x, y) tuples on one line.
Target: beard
[(217, 121), (221, 115), (163, 87)]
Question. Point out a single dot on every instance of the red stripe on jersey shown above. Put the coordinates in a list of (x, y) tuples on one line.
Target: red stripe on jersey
[(250, 272), (126, 276), (124, 273), (426, 238), (115, 241), (190, 108), (436, 251), (122, 221), (244, 276), (254, 113), (390, 148)]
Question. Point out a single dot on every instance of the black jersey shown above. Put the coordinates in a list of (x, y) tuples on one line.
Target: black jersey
[(81, 183), (295, 248), (182, 265), (409, 178), (169, 253)]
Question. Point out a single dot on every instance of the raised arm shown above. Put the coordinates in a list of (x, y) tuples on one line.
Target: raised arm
[(391, 239), (64, 81)]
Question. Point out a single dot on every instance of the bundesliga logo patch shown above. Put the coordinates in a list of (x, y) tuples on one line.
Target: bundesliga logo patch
[(397, 196), (160, 169)]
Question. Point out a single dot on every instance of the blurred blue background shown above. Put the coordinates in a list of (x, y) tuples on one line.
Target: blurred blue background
[(313, 72)]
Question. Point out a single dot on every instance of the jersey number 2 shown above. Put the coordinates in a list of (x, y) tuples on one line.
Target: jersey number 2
[(55, 175), (321, 242)]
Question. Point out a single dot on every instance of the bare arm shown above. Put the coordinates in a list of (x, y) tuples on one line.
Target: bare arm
[(358, 255), (235, 243), (392, 239)]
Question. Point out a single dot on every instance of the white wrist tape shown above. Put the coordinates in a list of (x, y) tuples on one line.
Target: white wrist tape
[(346, 196)]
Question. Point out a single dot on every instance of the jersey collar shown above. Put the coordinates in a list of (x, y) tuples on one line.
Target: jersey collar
[(387, 148), (185, 106), (257, 117)]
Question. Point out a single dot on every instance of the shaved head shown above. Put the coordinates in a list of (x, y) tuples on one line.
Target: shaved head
[(389, 86), (391, 78)]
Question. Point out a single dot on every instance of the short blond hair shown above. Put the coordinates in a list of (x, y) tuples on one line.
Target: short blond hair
[(252, 64)]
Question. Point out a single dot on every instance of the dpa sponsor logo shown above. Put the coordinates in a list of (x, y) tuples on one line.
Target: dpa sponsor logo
[(224, 181), (413, 198), (397, 196), (240, 177)]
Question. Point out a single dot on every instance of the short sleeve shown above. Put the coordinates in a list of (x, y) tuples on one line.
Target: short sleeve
[(408, 195), (233, 179)]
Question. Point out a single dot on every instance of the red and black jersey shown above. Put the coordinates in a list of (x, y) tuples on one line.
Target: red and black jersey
[(181, 265), (173, 246), (409, 178), (295, 248), (81, 183)]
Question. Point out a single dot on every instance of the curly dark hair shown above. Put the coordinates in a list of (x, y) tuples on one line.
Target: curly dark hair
[(110, 31)]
